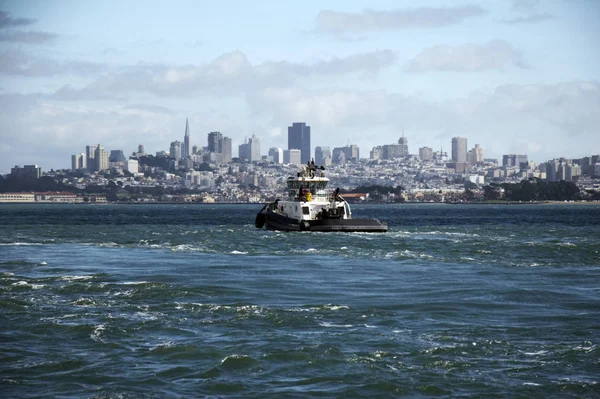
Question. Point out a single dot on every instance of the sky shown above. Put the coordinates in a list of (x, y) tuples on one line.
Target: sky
[(512, 76)]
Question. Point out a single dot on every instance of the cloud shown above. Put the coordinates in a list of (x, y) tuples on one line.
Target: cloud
[(17, 62), (552, 120), (29, 37), (530, 19), (149, 108), (494, 55), (525, 5), (6, 21), (230, 74), (339, 23)]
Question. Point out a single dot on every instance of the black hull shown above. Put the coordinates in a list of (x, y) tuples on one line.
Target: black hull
[(275, 221)]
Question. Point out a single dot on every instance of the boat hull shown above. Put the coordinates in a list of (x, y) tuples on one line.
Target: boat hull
[(275, 221)]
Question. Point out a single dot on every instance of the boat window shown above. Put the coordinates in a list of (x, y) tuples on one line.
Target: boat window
[(305, 210)]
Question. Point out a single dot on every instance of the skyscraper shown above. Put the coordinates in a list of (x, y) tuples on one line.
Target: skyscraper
[(276, 155), (323, 156), (186, 140), (215, 141), (475, 155), (459, 149), (226, 149), (101, 158), (403, 143), (175, 150), (299, 138), (90, 153), (425, 153), (250, 150)]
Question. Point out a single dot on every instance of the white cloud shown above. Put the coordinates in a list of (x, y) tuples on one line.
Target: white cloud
[(20, 63), (230, 74), (494, 55), (339, 23)]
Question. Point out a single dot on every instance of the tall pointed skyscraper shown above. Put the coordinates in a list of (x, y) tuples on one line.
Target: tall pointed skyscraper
[(186, 140)]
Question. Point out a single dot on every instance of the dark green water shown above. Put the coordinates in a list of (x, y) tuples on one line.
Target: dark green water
[(193, 301)]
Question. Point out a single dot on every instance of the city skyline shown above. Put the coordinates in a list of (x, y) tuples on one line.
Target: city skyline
[(516, 77)]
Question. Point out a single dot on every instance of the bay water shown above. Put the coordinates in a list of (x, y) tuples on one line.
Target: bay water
[(129, 301)]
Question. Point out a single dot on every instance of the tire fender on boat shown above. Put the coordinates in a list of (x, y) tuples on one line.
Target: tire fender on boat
[(304, 225)]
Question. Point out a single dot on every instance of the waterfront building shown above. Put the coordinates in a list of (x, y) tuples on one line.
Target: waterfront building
[(323, 156), (425, 153), (459, 149), (299, 138)]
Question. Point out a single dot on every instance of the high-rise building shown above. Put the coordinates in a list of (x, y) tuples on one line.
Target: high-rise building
[(186, 139), (293, 156), (276, 155), (322, 156), (459, 149), (426, 153), (215, 141), (250, 150), (475, 155), (90, 162), (226, 150), (254, 144), (77, 162), (175, 150), (116, 156), (244, 151), (338, 156), (351, 152), (100, 158), (132, 166), (514, 160), (27, 171), (141, 149), (299, 138), (403, 143), (376, 153)]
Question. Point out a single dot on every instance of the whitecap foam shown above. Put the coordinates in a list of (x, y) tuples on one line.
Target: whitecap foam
[(96, 335), (76, 278), (335, 307), (239, 253), (331, 325)]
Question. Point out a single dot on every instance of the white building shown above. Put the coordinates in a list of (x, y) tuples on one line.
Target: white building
[(276, 155), (293, 156), (132, 166)]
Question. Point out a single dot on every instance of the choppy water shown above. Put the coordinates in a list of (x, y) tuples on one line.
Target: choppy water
[(193, 301)]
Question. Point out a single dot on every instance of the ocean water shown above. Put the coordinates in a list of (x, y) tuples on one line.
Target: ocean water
[(178, 301)]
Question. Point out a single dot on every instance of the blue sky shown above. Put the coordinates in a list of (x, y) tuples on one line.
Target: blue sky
[(511, 76)]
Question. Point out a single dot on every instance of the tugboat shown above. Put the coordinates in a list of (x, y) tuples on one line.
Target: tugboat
[(311, 207)]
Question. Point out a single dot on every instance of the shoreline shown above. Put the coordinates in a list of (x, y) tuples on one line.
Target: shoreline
[(595, 202)]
